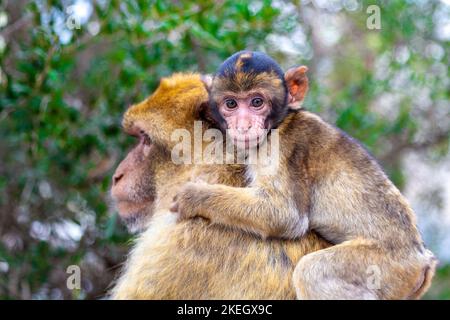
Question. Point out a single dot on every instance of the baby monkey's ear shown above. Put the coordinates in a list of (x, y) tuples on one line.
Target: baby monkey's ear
[(297, 85), (207, 81)]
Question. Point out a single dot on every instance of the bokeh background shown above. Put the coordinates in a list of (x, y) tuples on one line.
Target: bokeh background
[(69, 69)]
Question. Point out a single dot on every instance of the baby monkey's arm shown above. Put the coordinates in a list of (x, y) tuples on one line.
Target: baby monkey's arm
[(262, 210)]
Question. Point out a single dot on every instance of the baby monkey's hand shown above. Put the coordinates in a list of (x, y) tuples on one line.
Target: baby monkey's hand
[(188, 201)]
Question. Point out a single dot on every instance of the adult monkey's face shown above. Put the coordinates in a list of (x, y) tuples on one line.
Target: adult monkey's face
[(148, 168), (133, 185)]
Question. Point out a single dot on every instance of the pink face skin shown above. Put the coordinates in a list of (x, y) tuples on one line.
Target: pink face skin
[(245, 115), (132, 183)]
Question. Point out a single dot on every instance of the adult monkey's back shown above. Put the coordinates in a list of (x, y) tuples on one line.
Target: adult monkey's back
[(190, 259)]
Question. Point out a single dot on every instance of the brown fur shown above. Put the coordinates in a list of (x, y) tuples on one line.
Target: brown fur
[(244, 82), (193, 259), (328, 183)]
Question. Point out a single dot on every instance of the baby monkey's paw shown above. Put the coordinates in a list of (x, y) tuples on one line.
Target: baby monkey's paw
[(187, 201)]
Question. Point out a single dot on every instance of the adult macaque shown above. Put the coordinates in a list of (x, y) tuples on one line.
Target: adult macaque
[(325, 181), (190, 259)]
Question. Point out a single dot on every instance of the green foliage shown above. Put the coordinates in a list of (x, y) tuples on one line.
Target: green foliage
[(63, 92)]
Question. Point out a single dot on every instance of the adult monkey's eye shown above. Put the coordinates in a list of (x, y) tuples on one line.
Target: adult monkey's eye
[(257, 102), (231, 103), (145, 138)]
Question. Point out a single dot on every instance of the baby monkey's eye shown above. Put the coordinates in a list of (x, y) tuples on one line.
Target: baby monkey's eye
[(257, 102), (231, 103)]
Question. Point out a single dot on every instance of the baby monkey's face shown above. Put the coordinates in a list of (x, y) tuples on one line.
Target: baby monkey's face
[(245, 116), (250, 95)]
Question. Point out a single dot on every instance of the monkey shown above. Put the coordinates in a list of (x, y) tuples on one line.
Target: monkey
[(189, 259), (325, 182)]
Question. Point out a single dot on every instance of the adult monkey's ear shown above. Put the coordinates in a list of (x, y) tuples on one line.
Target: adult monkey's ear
[(297, 84), (204, 110), (207, 81)]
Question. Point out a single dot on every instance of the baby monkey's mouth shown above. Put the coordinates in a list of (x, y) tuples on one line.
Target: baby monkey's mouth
[(253, 136), (248, 141)]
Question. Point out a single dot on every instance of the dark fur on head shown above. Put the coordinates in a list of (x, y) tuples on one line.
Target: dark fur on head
[(247, 70)]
